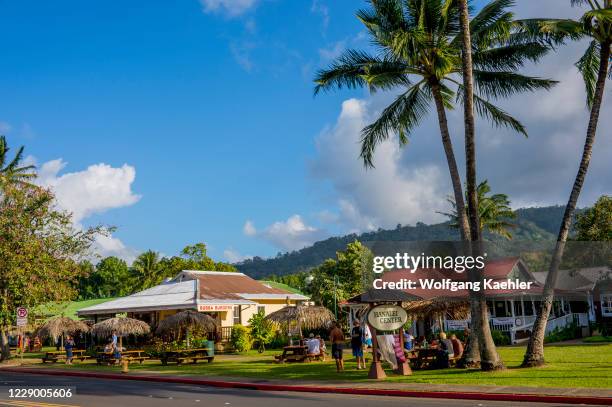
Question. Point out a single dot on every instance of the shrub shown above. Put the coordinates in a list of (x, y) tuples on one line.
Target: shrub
[(241, 339), (500, 338), (565, 334), (262, 330)]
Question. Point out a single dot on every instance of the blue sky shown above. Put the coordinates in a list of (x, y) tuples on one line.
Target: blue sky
[(210, 106)]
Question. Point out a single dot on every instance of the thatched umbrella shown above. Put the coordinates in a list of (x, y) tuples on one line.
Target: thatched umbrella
[(306, 317), (122, 326), (187, 320), (60, 326), (454, 308)]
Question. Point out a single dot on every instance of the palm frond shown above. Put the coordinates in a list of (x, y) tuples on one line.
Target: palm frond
[(355, 69), (509, 57), (403, 115), (502, 84), (588, 65)]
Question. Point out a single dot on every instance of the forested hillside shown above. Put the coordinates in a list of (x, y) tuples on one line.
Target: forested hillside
[(531, 224)]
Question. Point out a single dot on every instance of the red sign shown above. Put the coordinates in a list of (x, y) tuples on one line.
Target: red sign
[(215, 307), (22, 312)]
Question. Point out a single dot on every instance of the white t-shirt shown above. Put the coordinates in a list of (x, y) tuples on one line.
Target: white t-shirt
[(313, 346)]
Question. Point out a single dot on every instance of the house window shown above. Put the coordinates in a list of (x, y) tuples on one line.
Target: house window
[(261, 309), (237, 316), (606, 305)]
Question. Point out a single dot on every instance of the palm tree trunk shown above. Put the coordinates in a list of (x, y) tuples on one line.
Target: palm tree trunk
[(471, 357), (534, 356), (452, 163), (489, 358)]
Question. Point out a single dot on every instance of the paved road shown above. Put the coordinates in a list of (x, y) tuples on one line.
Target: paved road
[(117, 393)]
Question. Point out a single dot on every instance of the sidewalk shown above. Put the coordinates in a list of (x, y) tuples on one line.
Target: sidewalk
[(499, 393)]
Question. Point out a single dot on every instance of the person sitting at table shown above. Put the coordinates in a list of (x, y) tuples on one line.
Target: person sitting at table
[(445, 351), (314, 345), (108, 348), (457, 346), (408, 340), (322, 346)]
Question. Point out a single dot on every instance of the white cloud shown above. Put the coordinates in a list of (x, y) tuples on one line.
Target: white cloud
[(241, 51), (231, 8), (233, 256), (318, 7), (292, 234), (249, 228), (332, 51), (95, 190), (391, 193)]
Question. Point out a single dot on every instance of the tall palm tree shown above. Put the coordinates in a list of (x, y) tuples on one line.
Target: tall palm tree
[(596, 25), (494, 212), (145, 270), (11, 171), (418, 50)]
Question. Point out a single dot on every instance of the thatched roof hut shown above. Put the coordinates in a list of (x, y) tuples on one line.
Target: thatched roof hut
[(61, 326), (453, 308), (187, 320), (306, 317), (122, 326)]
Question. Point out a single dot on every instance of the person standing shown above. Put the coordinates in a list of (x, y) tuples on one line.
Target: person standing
[(69, 346), (357, 344), (336, 336)]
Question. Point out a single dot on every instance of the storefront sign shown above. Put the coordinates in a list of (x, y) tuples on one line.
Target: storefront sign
[(215, 307), (387, 317)]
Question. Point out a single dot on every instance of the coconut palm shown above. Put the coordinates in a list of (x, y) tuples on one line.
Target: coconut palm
[(146, 270), (494, 211), (11, 171), (418, 50), (596, 25)]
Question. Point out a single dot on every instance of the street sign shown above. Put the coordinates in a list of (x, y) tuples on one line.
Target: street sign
[(22, 316)]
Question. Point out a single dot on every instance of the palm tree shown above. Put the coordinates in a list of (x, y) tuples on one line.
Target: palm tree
[(11, 172), (481, 341), (418, 47), (494, 212), (595, 24), (145, 270)]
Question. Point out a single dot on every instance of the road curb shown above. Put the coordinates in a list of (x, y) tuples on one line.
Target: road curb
[(518, 397)]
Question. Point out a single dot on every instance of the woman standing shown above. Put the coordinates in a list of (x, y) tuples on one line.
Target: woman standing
[(68, 346), (357, 344)]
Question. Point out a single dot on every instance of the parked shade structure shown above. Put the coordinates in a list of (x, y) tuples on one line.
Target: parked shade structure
[(306, 317), (60, 326), (122, 326), (188, 320)]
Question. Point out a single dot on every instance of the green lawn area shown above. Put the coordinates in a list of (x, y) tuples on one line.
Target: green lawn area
[(281, 286), (567, 366), (69, 308)]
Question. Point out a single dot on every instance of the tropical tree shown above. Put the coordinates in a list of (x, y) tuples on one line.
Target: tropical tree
[(39, 254), (418, 50), (494, 212), (145, 270), (11, 171), (595, 223), (596, 25), (481, 341)]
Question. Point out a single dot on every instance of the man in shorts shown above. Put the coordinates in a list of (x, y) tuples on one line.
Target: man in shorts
[(336, 337)]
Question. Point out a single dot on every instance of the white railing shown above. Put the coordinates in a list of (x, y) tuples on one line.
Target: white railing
[(566, 320), (522, 322)]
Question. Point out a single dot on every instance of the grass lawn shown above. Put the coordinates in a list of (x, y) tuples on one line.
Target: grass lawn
[(69, 308), (567, 366)]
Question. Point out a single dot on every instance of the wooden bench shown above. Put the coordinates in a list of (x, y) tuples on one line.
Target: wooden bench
[(53, 357), (130, 356), (181, 356)]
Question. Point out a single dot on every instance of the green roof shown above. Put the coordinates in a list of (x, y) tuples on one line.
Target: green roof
[(281, 286), (68, 308)]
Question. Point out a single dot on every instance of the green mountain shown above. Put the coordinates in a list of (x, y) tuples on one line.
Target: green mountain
[(531, 224)]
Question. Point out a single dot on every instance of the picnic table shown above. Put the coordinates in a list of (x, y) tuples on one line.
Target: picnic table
[(293, 353), (55, 356), (423, 358), (180, 356), (128, 355)]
